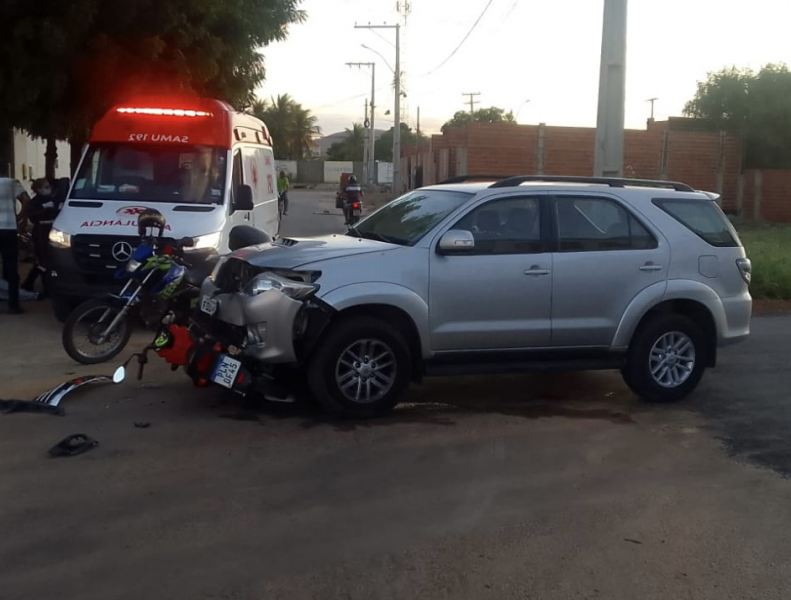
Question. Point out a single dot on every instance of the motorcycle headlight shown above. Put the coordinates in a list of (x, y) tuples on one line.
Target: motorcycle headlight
[(272, 281), (59, 239), (210, 240)]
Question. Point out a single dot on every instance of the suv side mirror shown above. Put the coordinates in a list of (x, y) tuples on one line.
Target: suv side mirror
[(456, 241), (244, 197)]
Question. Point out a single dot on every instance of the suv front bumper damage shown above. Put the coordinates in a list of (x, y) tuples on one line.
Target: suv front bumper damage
[(269, 319)]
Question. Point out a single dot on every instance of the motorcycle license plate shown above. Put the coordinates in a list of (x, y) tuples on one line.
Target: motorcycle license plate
[(225, 371), (208, 305)]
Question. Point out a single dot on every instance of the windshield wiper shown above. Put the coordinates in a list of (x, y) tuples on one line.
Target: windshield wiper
[(377, 237)]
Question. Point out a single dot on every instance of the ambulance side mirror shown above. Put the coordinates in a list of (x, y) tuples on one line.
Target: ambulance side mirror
[(243, 199)]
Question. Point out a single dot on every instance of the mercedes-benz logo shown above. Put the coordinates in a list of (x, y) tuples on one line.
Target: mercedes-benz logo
[(122, 251)]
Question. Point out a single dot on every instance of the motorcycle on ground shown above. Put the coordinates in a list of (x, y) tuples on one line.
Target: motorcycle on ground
[(161, 287)]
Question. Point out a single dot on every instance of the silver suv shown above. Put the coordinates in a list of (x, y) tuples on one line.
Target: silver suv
[(647, 277)]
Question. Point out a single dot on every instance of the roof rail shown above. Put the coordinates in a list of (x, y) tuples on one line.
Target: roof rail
[(464, 178), (610, 181)]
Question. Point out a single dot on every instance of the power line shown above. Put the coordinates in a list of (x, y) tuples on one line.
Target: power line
[(464, 39)]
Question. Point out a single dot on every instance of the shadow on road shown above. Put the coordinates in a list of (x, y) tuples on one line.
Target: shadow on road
[(440, 402)]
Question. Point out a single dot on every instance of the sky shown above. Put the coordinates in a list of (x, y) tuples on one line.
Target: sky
[(539, 58)]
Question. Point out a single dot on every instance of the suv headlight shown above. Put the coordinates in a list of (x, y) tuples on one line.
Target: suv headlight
[(210, 240), (271, 281), (59, 239)]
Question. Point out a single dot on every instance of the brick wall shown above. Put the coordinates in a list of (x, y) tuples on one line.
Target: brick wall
[(767, 195), (676, 149)]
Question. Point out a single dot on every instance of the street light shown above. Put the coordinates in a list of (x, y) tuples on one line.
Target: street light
[(379, 54), (396, 99), (521, 106)]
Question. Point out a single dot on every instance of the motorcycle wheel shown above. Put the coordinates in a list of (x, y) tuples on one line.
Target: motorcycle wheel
[(82, 328)]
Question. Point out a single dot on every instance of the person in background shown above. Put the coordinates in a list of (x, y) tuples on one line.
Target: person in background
[(282, 191), (353, 193), (12, 197), (41, 210)]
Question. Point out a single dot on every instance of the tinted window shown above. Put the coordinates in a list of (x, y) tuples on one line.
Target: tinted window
[(407, 219), (704, 218), (508, 226), (596, 224)]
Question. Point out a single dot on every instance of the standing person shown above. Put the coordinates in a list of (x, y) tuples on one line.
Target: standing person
[(11, 193), (282, 191), (41, 210)]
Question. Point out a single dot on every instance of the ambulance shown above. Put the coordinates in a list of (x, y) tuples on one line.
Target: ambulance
[(204, 166)]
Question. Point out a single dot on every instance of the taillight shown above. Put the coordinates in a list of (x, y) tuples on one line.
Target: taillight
[(356, 206), (745, 269)]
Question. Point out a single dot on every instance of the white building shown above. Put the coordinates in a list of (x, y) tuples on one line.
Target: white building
[(22, 157)]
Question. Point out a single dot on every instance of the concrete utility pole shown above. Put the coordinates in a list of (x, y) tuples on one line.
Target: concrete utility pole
[(366, 175), (397, 106), (472, 99), (652, 101), (371, 160), (608, 155)]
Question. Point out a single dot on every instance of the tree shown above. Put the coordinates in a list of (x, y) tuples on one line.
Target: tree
[(753, 105), (384, 145), (65, 63), (292, 126), (723, 99), (351, 147), (492, 114)]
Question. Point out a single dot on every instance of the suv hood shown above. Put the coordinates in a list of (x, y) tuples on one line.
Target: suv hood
[(291, 253)]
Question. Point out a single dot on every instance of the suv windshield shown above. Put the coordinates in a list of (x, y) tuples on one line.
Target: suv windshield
[(407, 219), (154, 173)]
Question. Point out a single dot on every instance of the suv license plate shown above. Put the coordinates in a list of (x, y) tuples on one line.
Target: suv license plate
[(208, 305), (225, 371)]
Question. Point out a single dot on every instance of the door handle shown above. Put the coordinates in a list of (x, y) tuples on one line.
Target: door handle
[(534, 271), (649, 266)]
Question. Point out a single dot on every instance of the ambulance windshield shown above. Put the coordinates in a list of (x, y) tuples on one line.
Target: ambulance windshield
[(152, 173)]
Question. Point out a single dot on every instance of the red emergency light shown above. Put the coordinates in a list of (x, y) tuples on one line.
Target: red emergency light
[(162, 112)]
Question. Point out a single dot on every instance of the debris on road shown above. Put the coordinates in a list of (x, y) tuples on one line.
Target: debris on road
[(72, 445)]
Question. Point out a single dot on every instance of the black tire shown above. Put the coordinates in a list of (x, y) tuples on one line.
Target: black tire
[(62, 307), (638, 372), (324, 366), (88, 313)]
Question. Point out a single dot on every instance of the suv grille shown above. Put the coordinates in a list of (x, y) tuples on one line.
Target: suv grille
[(234, 275)]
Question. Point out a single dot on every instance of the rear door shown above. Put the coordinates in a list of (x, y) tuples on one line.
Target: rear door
[(604, 257), (497, 296)]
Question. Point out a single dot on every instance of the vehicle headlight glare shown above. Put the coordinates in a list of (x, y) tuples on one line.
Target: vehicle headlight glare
[(210, 240), (59, 239)]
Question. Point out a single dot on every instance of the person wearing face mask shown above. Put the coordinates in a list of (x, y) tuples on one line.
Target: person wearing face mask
[(41, 210), (12, 195)]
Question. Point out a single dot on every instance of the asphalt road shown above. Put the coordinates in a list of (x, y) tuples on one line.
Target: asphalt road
[(534, 486)]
